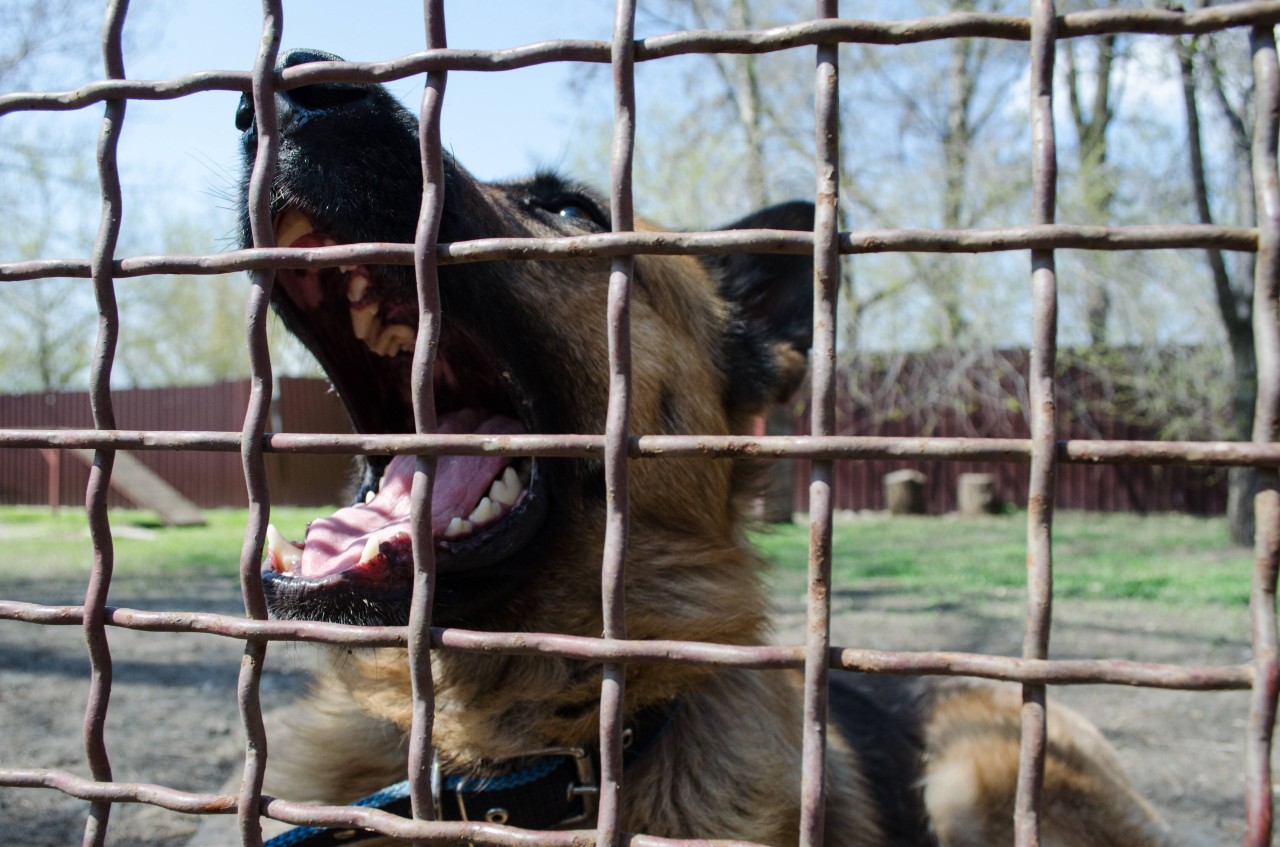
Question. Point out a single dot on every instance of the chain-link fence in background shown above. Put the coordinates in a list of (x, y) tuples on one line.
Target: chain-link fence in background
[(1044, 450)]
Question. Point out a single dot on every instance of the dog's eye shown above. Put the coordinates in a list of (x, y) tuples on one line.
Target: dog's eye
[(574, 212)]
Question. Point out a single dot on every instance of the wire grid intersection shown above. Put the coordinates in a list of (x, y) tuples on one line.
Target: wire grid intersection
[(1043, 451)]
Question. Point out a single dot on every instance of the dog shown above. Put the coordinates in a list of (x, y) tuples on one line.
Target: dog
[(712, 752)]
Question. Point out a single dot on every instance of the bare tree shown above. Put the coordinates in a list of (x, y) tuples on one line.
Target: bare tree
[(1206, 65), (42, 172), (174, 330), (1090, 64), (965, 116)]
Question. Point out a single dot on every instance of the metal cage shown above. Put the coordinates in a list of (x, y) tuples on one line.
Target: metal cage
[(1043, 451)]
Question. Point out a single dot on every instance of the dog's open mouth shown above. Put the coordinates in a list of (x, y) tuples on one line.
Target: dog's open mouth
[(362, 325)]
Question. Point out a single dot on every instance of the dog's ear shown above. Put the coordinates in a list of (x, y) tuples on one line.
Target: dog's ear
[(770, 300)]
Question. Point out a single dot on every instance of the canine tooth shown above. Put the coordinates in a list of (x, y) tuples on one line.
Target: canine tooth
[(357, 286), (484, 511), (394, 339), (371, 549), (282, 551), (364, 322), (457, 527), (368, 496), (293, 226)]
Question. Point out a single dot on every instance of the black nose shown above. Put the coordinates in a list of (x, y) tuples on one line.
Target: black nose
[(309, 100)]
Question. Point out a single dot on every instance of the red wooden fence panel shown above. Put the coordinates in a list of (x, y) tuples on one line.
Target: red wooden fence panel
[(979, 394), (980, 399), (209, 479)]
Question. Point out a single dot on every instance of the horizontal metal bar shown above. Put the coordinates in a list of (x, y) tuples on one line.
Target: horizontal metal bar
[(459, 833), (845, 31), (119, 792), (305, 814), (769, 657), (957, 25), (1048, 671), (851, 447), (608, 245)]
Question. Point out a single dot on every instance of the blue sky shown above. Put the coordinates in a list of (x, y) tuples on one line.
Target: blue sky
[(183, 153)]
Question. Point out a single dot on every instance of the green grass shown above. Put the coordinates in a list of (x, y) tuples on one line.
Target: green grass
[(1174, 559), (40, 545), (1165, 558)]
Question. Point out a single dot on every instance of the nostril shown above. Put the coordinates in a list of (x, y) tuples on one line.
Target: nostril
[(304, 56), (244, 113), (328, 95)]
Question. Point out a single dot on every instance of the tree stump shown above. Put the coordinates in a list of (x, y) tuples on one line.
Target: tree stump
[(976, 495), (904, 492)]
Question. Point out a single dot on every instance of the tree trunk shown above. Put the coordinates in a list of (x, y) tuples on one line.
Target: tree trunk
[(1234, 298), (1242, 483), (1242, 487)]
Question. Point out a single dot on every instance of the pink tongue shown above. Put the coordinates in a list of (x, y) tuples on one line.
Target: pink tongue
[(334, 544)]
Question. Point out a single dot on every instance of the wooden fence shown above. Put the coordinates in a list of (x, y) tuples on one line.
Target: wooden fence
[(971, 404), (983, 394), (208, 479)]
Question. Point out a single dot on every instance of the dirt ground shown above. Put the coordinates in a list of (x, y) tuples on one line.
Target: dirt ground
[(173, 718)]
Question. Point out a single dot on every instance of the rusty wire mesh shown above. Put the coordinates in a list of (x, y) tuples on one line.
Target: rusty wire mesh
[(1041, 29)]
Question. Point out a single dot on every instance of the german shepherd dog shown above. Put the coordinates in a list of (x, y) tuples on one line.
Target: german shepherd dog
[(716, 752)]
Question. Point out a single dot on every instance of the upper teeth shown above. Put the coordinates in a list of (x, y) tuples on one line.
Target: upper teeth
[(357, 286), (293, 226), (393, 339), (364, 321)]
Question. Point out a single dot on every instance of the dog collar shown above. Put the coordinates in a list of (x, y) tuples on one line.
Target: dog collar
[(552, 788)]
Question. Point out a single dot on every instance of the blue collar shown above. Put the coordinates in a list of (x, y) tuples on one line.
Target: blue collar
[(553, 788)]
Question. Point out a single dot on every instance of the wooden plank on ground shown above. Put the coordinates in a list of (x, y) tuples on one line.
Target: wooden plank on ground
[(145, 489)]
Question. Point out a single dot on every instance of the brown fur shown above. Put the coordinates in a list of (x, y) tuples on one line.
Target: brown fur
[(973, 734), (728, 765)]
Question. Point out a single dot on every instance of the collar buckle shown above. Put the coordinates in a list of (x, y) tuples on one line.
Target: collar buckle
[(584, 787)]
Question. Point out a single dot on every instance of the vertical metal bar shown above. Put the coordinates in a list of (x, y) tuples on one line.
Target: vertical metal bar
[(95, 600), (1266, 427), (1044, 294), (617, 425), (424, 415), (826, 283), (255, 422)]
